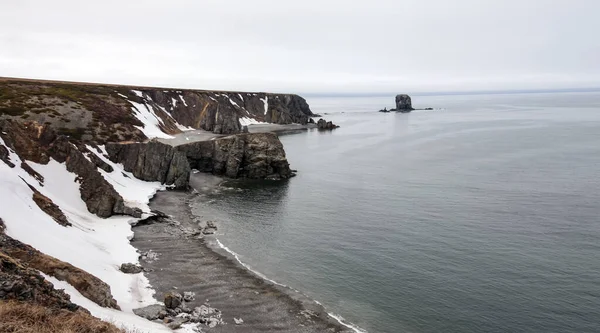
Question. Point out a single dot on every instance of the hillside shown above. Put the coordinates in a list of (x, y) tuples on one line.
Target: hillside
[(115, 113), (79, 164)]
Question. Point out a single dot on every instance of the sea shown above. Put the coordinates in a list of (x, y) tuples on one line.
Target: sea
[(482, 215)]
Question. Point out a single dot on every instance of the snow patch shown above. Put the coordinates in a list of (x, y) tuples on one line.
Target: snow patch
[(245, 121), (151, 122), (135, 193), (232, 102), (121, 319), (266, 103), (96, 245), (138, 93), (174, 102), (183, 100)]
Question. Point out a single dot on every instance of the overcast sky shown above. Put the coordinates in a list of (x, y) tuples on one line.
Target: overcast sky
[(306, 46)]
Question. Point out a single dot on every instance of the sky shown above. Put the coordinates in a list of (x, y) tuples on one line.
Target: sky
[(308, 46)]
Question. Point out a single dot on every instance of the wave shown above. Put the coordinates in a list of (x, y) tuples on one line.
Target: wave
[(337, 317)]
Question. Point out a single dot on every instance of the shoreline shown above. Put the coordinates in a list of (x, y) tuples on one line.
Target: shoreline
[(202, 264)]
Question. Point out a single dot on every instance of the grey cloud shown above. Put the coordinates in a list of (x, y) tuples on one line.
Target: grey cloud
[(306, 46)]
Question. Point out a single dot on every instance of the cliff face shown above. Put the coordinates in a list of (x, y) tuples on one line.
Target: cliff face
[(39, 143), (253, 156), (105, 113), (152, 161)]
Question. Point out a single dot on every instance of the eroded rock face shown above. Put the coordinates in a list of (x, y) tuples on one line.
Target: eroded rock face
[(39, 143), (403, 103), (50, 208), (152, 161), (254, 156), (88, 285), (21, 283)]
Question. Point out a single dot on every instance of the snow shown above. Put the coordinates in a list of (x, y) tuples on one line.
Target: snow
[(183, 100), (138, 93), (151, 122), (232, 102), (181, 127), (121, 319), (174, 102), (213, 99), (135, 193), (96, 245), (245, 121), (122, 95), (242, 98), (266, 102)]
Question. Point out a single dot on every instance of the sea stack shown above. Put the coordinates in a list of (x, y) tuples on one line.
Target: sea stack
[(403, 103)]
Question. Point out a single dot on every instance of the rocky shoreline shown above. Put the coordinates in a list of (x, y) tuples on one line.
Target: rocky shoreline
[(186, 259)]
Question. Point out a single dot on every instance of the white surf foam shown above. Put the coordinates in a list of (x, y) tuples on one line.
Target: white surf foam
[(338, 318)]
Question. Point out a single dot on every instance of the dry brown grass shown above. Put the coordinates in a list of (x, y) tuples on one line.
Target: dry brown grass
[(19, 317)]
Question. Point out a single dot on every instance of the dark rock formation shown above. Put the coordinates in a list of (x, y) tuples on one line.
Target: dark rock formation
[(151, 312), (175, 312), (49, 208), (322, 124), (38, 143), (99, 196), (173, 300), (403, 103), (130, 268), (88, 285), (253, 155), (21, 283), (4, 156), (152, 161)]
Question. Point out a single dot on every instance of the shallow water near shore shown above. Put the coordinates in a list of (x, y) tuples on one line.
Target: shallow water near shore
[(480, 217)]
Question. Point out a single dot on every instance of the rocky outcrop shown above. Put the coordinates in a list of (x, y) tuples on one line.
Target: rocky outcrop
[(129, 268), (21, 283), (39, 143), (250, 155), (88, 285), (50, 208), (102, 113), (403, 103), (253, 155), (322, 124), (175, 312), (152, 161)]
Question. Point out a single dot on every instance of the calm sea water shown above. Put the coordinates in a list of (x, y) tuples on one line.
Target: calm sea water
[(481, 217)]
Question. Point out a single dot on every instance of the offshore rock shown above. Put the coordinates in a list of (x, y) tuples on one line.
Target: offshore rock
[(403, 103), (322, 124)]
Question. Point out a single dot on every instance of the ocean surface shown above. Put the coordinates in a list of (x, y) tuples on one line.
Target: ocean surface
[(483, 216)]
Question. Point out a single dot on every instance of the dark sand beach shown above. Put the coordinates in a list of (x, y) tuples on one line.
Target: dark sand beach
[(190, 262)]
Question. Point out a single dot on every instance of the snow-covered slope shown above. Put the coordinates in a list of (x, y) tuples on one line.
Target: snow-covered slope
[(96, 245)]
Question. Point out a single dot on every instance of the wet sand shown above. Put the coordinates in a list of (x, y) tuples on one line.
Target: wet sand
[(190, 263)]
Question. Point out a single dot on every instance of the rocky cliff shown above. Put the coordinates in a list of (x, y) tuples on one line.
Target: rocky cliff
[(104, 113), (253, 156)]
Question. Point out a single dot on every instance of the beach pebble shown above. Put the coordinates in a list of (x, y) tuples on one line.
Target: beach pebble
[(189, 296), (238, 321)]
